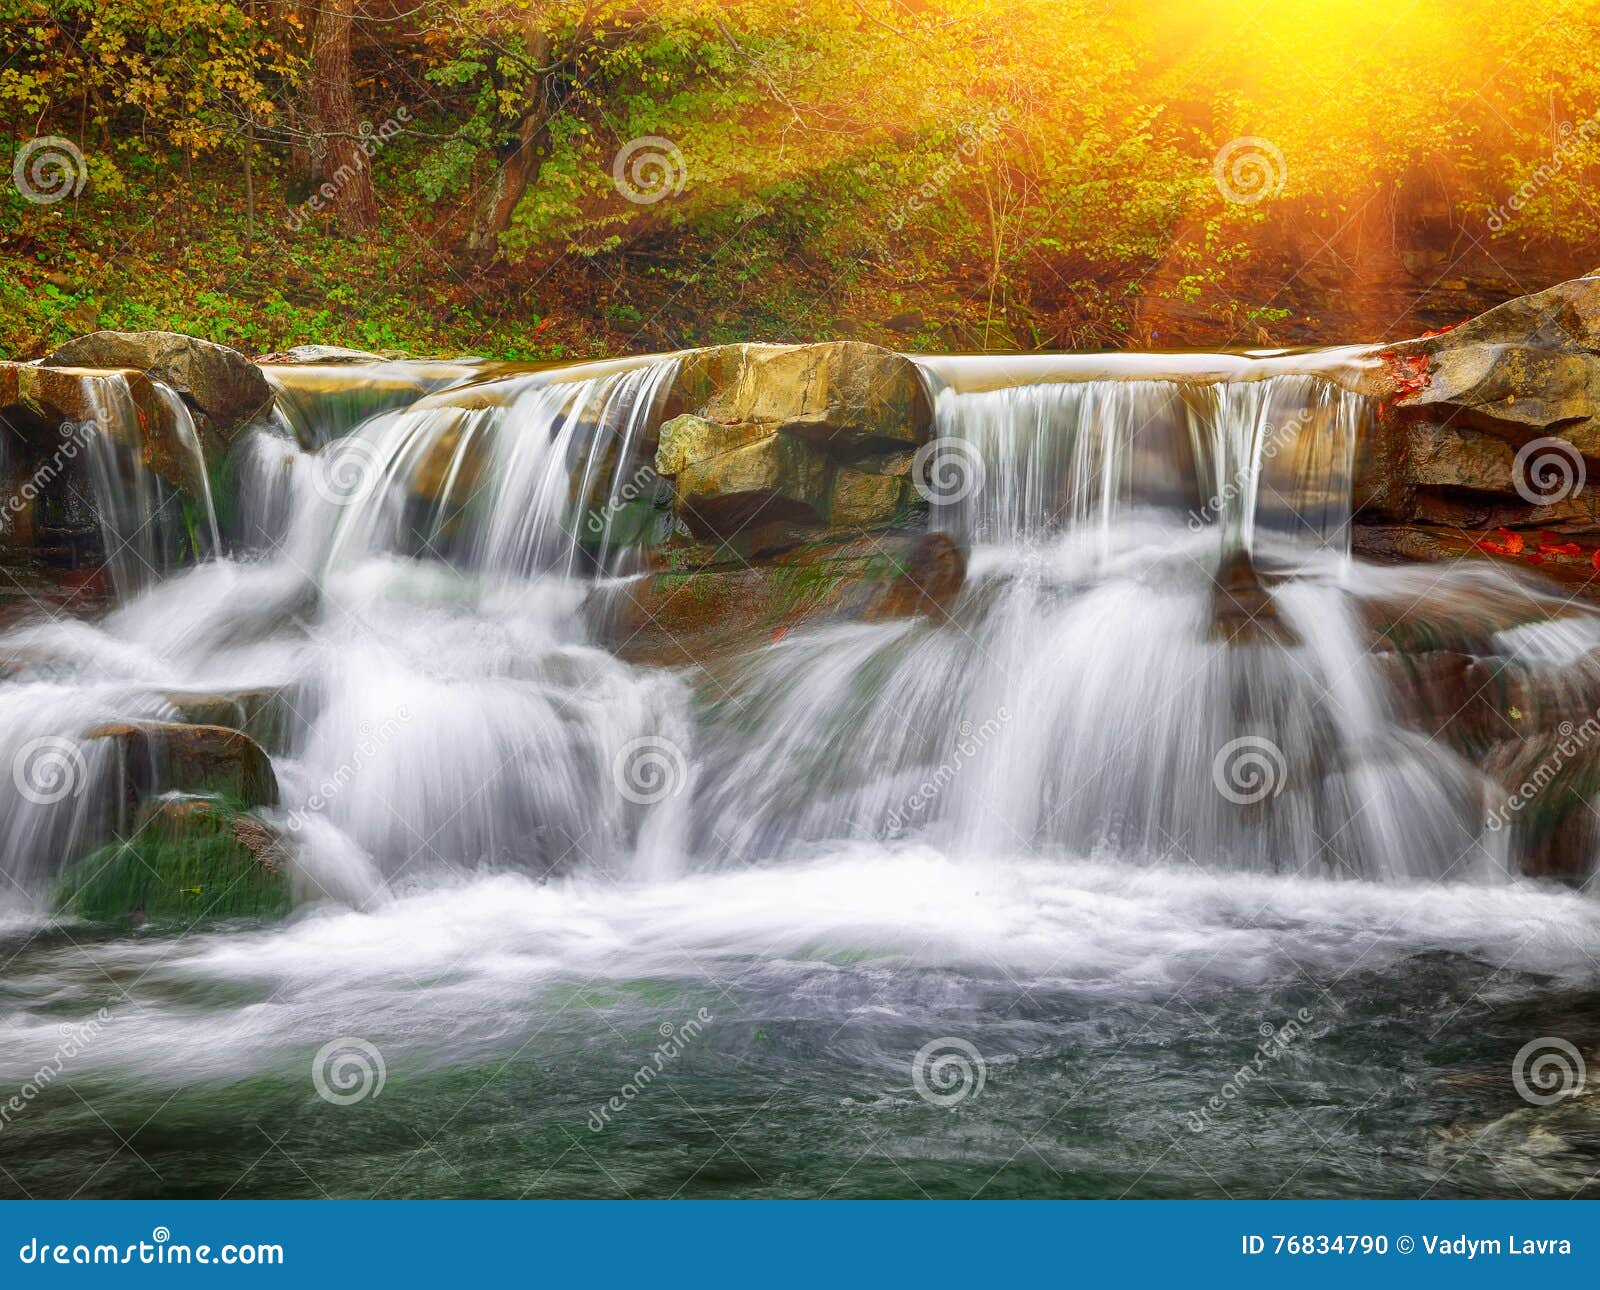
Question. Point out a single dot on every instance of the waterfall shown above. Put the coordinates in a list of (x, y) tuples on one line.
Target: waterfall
[(146, 526), (1273, 455), (1160, 612)]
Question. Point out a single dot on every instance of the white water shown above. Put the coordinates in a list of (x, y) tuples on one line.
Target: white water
[(473, 970), (412, 589), (873, 825)]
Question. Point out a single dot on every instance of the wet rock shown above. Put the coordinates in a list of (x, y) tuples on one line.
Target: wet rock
[(777, 479), (847, 397), (700, 615), (1242, 610), (263, 713), (1551, 784), (1460, 458), (862, 499), (187, 861), (1522, 370), (221, 386), (798, 435), (160, 757)]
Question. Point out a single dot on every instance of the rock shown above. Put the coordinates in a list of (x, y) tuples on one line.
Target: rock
[(221, 385), (860, 499), (775, 480), (1463, 458), (1460, 407), (702, 615), (188, 861), (848, 397), (1550, 784), (262, 713), (51, 413), (1242, 610), (162, 757), (447, 477), (757, 435)]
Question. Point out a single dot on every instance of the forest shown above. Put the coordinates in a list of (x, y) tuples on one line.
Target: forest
[(556, 179)]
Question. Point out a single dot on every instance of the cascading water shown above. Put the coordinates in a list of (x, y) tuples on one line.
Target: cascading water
[(1120, 774), (1090, 677)]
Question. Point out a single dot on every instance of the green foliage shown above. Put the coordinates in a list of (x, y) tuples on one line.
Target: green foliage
[(1030, 172)]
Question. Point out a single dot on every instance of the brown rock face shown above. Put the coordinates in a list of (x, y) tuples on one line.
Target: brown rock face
[(1492, 424), (703, 615), (158, 757), (221, 385), (798, 435)]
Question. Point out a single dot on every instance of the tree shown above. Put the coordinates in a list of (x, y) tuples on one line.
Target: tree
[(338, 162)]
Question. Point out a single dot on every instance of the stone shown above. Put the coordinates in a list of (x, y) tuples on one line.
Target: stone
[(263, 713), (705, 614), (1242, 609), (221, 385), (775, 480), (160, 757), (847, 397), (863, 500), (1549, 784), (187, 861), (1459, 458)]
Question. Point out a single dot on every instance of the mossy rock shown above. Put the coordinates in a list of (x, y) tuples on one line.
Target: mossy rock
[(190, 861)]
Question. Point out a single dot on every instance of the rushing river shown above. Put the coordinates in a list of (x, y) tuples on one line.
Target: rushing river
[(975, 907)]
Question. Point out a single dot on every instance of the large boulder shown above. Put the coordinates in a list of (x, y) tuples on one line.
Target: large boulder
[(47, 417), (848, 397), (222, 387), (807, 436), (1494, 424)]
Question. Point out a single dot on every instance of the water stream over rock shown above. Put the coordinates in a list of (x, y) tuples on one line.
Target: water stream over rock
[(1150, 782)]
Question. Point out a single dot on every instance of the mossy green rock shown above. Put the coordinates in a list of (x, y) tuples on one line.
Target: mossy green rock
[(189, 861)]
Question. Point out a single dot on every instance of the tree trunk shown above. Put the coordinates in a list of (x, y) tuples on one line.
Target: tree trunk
[(340, 165), (517, 161), (516, 165)]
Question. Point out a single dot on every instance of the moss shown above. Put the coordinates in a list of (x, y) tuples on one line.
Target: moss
[(181, 868)]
